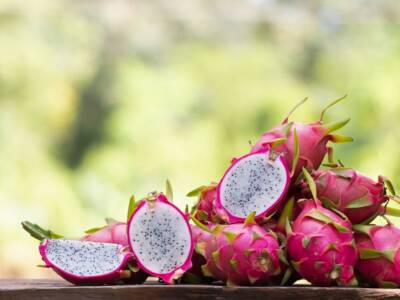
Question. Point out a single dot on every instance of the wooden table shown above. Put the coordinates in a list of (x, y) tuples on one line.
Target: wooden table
[(60, 290)]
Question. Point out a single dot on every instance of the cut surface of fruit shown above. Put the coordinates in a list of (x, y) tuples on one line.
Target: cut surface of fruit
[(253, 183), (83, 259), (160, 238)]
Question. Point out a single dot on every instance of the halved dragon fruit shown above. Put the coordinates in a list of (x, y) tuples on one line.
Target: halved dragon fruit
[(379, 250), (83, 262), (113, 234), (160, 238), (302, 145), (256, 182)]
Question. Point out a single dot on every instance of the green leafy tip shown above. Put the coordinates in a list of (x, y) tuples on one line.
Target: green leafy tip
[(341, 139), (296, 152), (331, 127), (250, 219), (196, 191), (287, 214), (131, 206), (38, 232), (93, 230), (311, 183), (330, 105), (200, 225), (360, 202), (294, 109), (168, 190)]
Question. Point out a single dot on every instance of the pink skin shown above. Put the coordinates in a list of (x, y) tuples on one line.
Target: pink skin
[(206, 204), (380, 271), (327, 247), (198, 260), (167, 277), (110, 277), (312, 138), (339, 188), (253, 267), (114, 233), (230, 218)]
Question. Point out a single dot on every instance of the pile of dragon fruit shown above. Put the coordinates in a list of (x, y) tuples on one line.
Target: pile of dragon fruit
[(284, 211)]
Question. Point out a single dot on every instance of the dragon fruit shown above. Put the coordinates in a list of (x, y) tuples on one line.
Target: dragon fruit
[(256, 182), (195, 274), (112, 236), (302, 145), (205, 210), (241, 254), (321, 244), (357, 196), (379, 254), (83, 262), (114, 232), (160, 237)]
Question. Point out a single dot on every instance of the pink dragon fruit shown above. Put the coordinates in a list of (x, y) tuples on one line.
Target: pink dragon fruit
[(321, 244), (256, 182), (114, 232), (205, 210), (357, 196), (321, 247), (160, 237), (111, 241), (241, 254), (379, 251), (83, 262), (302, 145), (195, 274)]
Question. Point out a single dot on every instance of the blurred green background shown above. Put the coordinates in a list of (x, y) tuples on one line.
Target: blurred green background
[(102, 99)]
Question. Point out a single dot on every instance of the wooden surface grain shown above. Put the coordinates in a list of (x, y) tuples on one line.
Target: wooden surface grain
[(61, 290)]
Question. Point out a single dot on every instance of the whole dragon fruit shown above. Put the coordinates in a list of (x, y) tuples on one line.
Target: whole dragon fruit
[(321, 247), (114, 232), (302, 145), (256, 182), (354, 194), (241, 254), (205, 210), (160, 238), (379, 254), (96, 258), (321, 244)]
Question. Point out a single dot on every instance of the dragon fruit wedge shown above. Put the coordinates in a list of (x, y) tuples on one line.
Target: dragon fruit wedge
[(205, 210), (379, 254), (357, 196), (321, 244), (302, 145), (160, 237), (113, 233), (256, 182), (83, 262), (241, 254)]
